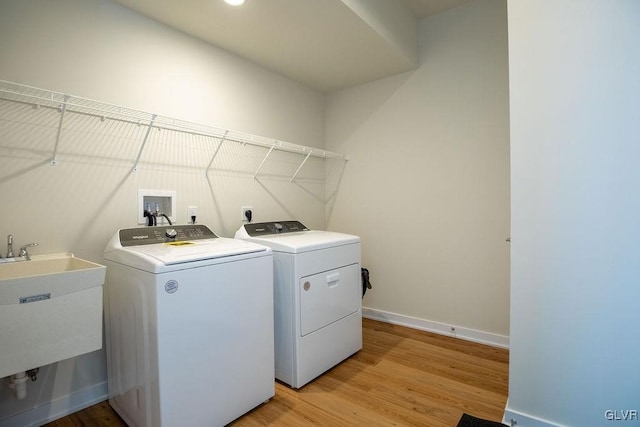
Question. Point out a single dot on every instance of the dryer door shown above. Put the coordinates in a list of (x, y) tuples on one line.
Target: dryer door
[(328, 297)]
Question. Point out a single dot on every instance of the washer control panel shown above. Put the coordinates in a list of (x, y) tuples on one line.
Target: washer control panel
[(275, 227), (164, 234)]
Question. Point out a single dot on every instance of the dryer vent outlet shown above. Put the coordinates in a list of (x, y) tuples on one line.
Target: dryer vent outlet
[(246, 214)]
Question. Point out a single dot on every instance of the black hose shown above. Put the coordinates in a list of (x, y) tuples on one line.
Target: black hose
[(149, 217), (167, 218)]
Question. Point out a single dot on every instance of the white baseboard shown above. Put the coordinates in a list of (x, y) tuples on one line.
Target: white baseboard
[(488, 338), (520, 419), (59, 408)]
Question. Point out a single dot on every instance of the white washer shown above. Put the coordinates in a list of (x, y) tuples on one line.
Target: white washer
[(318, 297), (189, 326)]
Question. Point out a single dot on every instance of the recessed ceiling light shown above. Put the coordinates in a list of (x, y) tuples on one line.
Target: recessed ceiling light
[(234, 2)]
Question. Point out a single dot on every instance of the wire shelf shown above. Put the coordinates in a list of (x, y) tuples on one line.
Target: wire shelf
[(69, 105)]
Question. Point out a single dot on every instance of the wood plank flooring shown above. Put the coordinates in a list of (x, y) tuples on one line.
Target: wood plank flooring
[(401, 377)]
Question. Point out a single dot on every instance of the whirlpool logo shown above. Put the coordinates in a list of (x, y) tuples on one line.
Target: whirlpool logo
[(171, 286)]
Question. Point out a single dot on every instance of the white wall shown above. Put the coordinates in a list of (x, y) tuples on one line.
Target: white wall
[(99, 50), (427, 186), (575, 121)]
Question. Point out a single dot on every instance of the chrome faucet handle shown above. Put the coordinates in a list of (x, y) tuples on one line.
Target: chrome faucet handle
[(23, 250)]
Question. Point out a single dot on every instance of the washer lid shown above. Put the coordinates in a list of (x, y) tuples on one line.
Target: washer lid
[(155, 248), (291, 241), (189, 251)]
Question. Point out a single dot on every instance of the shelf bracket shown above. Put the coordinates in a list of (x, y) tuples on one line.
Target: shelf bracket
[(144, 142), (63, 109), (255, 175), (206, 172), (301, 165)]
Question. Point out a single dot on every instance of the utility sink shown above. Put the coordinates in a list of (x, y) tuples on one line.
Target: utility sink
[(50, 310)]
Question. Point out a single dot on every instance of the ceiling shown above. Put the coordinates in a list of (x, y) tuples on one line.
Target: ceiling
[(324, 44)]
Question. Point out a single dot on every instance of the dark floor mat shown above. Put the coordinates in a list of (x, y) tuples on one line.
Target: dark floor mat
[(469, 421)]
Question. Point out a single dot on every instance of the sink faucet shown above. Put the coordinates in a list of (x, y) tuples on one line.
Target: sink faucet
[(9, 246), (23, 251)]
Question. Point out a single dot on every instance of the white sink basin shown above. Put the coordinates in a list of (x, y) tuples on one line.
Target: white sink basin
[(58, 274), (50, 310)]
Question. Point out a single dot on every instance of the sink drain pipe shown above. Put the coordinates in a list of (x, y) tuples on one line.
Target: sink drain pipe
[(18, 382)]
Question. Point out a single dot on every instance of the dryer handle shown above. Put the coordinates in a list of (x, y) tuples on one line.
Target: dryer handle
[(333, 280)]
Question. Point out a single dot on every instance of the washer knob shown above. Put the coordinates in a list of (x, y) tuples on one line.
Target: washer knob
[(171, 233), (278, 227)]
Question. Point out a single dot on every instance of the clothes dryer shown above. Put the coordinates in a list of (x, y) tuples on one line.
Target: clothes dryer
[(317, 297), (189, 326)]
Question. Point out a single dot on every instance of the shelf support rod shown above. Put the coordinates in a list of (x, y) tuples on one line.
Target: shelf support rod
[(300, 167), (63, 109), (255, 175), (144, 142), (206, 172)]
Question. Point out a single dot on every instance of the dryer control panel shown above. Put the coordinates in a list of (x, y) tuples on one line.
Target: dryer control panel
[(169, 233), (275, 227)]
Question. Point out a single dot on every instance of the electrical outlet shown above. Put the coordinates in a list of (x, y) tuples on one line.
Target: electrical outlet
[(192, 212), (243, 213)]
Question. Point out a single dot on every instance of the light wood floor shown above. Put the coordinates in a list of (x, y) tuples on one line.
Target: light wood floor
[(401, 377)]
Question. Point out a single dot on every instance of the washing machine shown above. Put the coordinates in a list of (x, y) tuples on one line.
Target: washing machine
[(189, 326), (317, 297)]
